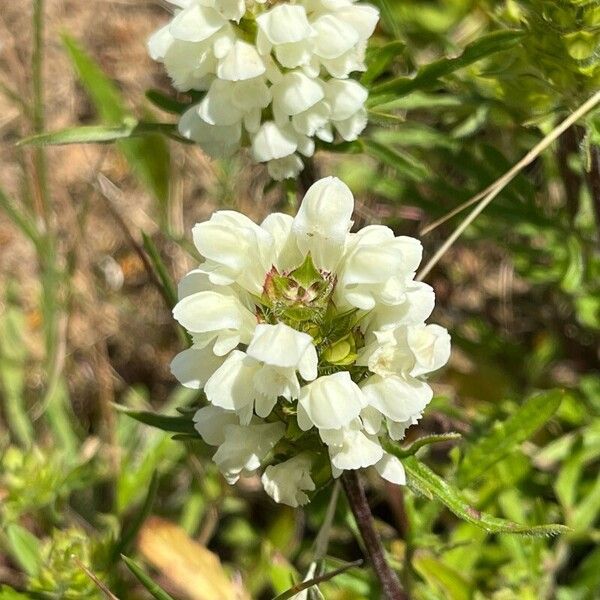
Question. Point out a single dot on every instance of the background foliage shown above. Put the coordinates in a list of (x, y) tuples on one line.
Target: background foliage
[(93, 237)]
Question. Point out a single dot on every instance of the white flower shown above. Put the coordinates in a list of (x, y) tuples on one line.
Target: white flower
[(245, 447), (252, 381), (330, 402), (301, 328), (295, 59), (350, 448), (210, 422), (323, 221), (430, 345), (287, 482)]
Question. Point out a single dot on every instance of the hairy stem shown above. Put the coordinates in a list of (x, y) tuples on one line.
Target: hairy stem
[(390, 584)]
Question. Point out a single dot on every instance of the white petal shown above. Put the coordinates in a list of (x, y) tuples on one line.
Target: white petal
[(330, 402), (279, 345), (287, 167), (242, 62), (196, 23), (272, 142), (209, 311), (287, 481), (351, 449), (334, 37), (390, 468), (193, 367), (159, 43), (430, 345), (231, 386), (323, 221), (245, 447), (210, 423), (284, 24), (345, 97), (296, 93), (398, 398)]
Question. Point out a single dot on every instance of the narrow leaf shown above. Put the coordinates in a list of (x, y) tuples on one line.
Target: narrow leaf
[(149, 156), (129, 534), (305, 585), (153, 587), (24, 547), (166, 103), (169, 289), (520, 426), (97, 134), (404, 163), (430, 74), (425, 441), (380, 59), (423, 480), (162, 422)]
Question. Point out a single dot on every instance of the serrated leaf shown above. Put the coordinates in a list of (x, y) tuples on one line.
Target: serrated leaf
[(488, 450), (162, 422), (429, 75), (423, 480), (157, 592)]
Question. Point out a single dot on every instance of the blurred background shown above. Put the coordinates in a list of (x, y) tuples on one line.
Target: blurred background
[(92, 238)]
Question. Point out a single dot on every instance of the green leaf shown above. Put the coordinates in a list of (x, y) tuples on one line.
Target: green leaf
[(7, 593), (439, 575), (129, 534), (389, 20), (166, 103), (424, 441), (520, 426), (424, 481), (305, 585), (153, 587), (404, 163), (24, 547), (162, 422), (379, 59), (429, 75), (148, 156), (13, 358), (97, 134), (169, 289)]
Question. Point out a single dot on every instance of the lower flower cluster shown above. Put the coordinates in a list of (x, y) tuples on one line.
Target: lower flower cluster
[(309, 342)]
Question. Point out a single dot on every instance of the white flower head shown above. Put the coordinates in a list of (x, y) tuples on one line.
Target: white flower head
[(287, 482), (295, 57), (309, 342)]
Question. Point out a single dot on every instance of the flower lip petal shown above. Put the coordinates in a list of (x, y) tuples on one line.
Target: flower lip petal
[(279, 345)]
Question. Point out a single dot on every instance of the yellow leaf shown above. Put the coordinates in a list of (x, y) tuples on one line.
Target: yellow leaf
[(189, 566)]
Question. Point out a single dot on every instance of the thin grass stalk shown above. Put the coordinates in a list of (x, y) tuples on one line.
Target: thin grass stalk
[(494, 190)]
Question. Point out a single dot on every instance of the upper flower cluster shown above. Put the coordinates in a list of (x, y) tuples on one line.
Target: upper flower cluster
[(275, 74), (306, 338)]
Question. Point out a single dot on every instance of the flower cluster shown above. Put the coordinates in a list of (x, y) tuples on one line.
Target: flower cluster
[(309, 341), (275, 74)]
